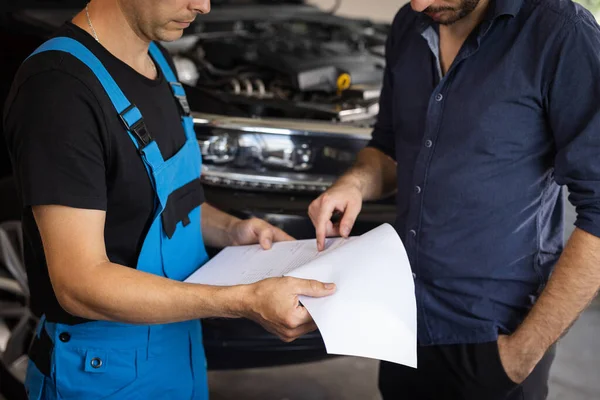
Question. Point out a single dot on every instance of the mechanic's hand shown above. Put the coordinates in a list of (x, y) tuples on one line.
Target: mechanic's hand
[(518, 364), (254, 230), (343, 197), (274, 304)]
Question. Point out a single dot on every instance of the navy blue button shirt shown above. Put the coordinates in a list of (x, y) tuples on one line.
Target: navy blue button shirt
[(482, 155)]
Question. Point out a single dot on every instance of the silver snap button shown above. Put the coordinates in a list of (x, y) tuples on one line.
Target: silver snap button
[(428, 143), (417, 189), (413, 233), (96, 362), (438, 97), (414, 276)]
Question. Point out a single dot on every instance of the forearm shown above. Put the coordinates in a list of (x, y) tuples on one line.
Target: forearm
[(116, 293), (572, 286), (374, 173), (216, 226)]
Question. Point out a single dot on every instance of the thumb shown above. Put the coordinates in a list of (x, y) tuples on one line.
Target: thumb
[(266, 238), (313, 288)]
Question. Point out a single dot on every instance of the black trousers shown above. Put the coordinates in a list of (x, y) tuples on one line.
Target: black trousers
[(461, 372)]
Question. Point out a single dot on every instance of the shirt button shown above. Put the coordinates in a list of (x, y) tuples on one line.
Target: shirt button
[(428, 143), (414, 276), (417, 189), (438, 97), (64, 337), (413, 233)]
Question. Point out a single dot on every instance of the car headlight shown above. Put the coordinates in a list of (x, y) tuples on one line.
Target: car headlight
[(270, 154)]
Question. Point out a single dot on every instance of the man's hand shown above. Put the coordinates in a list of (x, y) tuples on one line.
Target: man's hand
[(517, 360), (372, 176), (573, 284), (274, 304), (344, 197), (254, 230)]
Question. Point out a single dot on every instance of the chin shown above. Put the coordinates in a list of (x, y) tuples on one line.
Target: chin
[(168, 35), (448, 20)]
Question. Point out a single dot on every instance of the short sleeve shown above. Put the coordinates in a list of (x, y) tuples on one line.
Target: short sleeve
[(53, 127)]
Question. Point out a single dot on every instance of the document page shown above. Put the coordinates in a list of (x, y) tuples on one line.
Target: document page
[(237, 265), (373, 312)]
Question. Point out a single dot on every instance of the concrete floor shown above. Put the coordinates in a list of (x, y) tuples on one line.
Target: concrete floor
[(575, 374)]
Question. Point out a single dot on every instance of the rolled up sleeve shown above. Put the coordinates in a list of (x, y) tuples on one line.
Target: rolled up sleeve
[(573, 104)]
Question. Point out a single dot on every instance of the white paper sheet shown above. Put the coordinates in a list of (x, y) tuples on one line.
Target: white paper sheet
[(373, 312), (237, 265)]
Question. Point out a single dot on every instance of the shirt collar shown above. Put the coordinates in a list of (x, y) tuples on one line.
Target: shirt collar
[(499, 8)]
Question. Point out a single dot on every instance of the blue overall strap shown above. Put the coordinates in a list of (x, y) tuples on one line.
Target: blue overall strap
[(129, 113), (176, 87)]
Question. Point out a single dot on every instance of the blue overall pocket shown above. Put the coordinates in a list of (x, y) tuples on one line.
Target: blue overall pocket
[(93, 372), (180, 204), (182, 246)]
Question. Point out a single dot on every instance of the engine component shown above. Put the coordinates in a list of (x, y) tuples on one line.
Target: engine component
[(187, 70), (288, 68)]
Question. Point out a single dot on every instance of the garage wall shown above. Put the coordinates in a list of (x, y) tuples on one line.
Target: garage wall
[(381, 10)]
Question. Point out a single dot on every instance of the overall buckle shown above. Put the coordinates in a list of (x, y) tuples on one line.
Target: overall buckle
[(179, 93), (138, 128)]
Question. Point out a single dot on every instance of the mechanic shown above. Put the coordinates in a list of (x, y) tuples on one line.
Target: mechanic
[(488, 108), (108, 166)]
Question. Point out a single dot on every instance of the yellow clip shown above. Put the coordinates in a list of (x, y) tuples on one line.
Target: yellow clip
[(343, 82)]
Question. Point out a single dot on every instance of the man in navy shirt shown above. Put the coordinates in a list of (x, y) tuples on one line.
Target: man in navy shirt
[(488, 108)]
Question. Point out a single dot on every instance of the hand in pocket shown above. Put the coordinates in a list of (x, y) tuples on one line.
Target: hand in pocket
[(515, 359)]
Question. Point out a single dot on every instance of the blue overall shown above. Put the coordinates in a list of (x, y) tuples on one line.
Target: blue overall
[(112, 360)]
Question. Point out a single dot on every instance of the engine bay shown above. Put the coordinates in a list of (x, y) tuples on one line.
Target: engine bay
[(287, 68)]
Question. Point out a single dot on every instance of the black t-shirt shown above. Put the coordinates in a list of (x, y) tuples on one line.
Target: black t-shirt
[(68, 147)]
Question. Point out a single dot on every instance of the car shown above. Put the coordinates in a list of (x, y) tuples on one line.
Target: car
[(283, 96)]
